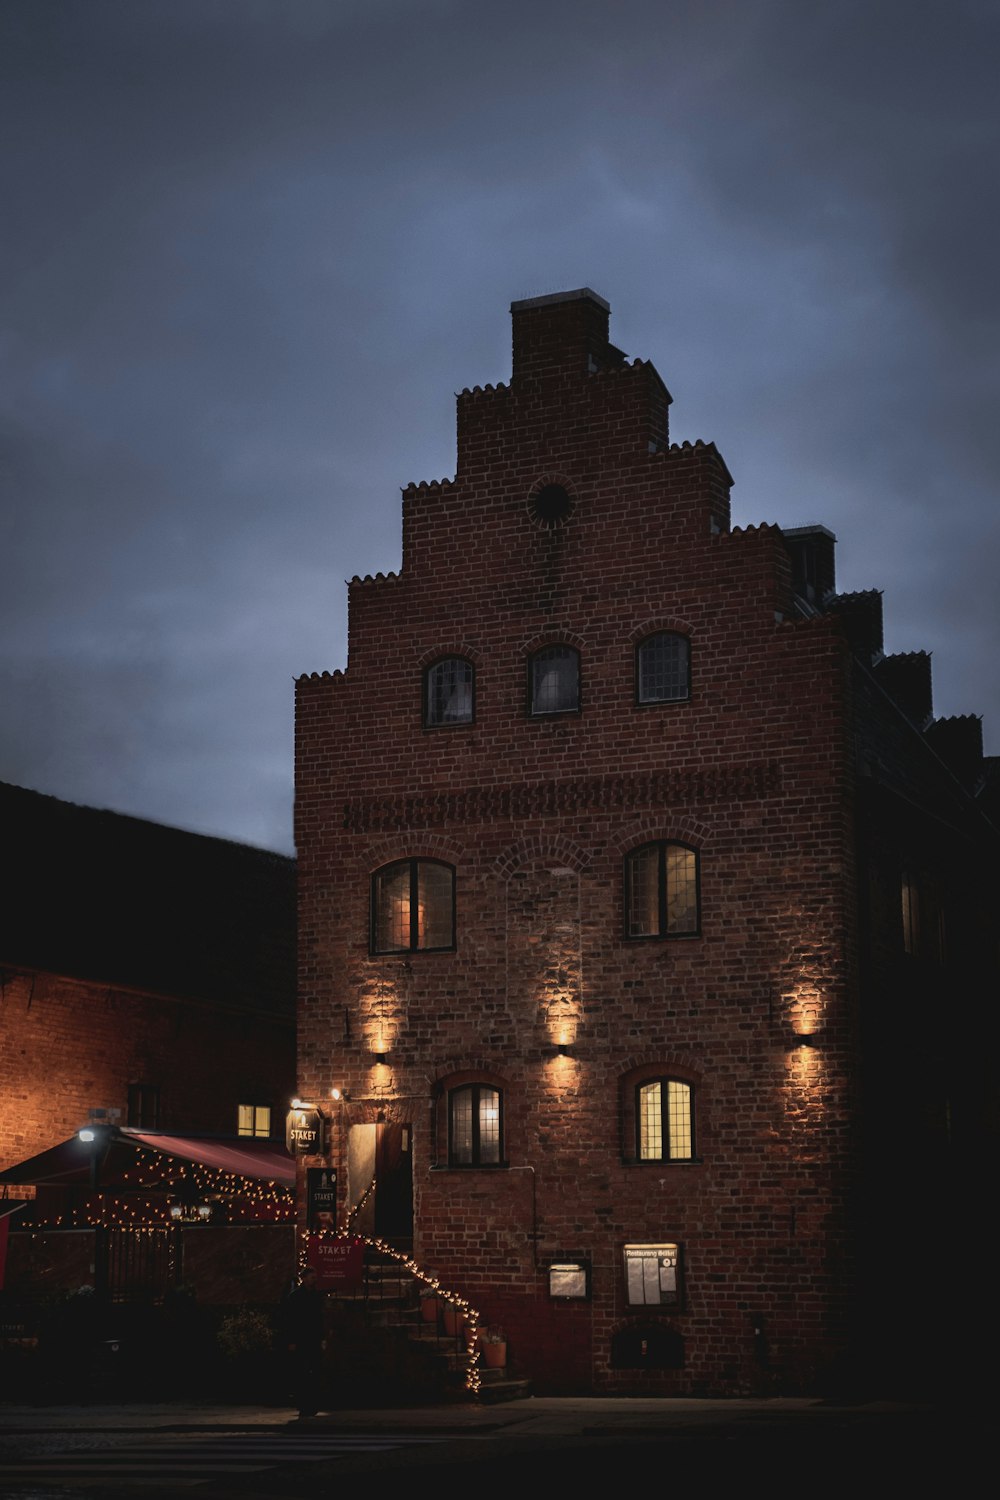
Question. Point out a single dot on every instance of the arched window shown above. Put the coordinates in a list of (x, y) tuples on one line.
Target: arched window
[(475, 1126), (663, 668), (448, 692), (661, 891), (413, 906), (554, 681), (664, 1120)]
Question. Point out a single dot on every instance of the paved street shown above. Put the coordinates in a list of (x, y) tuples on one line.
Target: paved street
[(49, 1453)]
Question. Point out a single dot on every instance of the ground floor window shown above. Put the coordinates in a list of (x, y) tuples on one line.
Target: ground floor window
[(475, 1126)]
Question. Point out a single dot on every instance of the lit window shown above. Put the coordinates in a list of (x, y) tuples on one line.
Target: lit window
[(554, 680), (663, 1118), (253, 1119), (144, 1106), (661, 891), (448, 692), (413, 906), (663, 668), (475, 1126)]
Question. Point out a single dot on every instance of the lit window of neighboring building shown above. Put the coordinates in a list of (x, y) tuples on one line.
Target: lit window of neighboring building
[(554, 680), (413, 906), (448, 690), (254, 1119), (144, 1106), (663, 668), (664, 1120), (661, 891), (475, 1126)]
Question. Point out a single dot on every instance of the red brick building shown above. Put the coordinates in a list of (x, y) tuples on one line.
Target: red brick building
[(626, 866), (145, 971)]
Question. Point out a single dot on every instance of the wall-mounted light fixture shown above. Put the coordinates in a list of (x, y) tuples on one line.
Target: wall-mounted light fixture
[(381, 1057)]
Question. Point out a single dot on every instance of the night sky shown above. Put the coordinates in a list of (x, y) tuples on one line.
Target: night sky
[(251, 249)]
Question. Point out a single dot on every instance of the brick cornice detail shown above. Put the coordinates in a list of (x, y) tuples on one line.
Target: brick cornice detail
[(554, 799)]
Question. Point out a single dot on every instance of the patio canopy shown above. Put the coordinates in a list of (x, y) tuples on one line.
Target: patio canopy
[(116, 1150)]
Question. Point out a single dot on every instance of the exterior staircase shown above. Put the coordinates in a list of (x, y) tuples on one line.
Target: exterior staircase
[(388, 1345)]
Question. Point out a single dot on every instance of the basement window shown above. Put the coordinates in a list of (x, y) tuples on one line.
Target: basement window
[(475, 1126), (661, 891), (413, 907)]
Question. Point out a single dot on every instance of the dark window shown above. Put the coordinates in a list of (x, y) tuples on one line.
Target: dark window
[(661, 891), (550, 506), (253, 1119), (554, 680), (475, 1126), (448, 692), (143, 1105), (664, 1120), (663, 668), (923, 919), (413, 906)]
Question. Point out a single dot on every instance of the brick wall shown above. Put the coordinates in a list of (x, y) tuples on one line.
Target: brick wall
[(536, 816)]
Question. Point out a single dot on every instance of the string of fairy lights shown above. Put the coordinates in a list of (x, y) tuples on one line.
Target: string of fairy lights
[(178, 1183), (467, 1317), (186, 1184)]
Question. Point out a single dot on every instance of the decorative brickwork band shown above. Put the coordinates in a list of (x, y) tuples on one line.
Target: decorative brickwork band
[(555, 798)]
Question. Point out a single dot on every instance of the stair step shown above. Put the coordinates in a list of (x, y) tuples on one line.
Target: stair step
[(493, 1392)]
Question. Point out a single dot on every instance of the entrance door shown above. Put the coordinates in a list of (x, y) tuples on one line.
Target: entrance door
[(380, 1179)]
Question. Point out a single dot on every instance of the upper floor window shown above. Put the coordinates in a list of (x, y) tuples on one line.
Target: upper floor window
[(475, 1126), (144, 1105), (661, 891), (664, 1123), (554, 680), (923, 918), (663, 668), (413, 906), (253, 1119), (448, 686)]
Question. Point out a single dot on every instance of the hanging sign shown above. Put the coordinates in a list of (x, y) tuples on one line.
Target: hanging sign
[(304, 1132)]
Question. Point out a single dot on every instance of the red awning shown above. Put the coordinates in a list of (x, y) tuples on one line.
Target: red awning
[(247, 1156), (68, 1164)]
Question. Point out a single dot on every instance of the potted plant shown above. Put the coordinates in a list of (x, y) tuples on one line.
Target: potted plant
[(429, 1301), (454, 1318), (493, 1348)]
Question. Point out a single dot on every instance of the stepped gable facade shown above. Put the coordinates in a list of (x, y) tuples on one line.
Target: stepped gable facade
[(635, 887)]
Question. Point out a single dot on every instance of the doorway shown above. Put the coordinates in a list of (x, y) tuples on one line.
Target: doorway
[(380, 1179)]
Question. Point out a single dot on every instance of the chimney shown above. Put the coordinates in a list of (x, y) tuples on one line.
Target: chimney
[(566, 333)]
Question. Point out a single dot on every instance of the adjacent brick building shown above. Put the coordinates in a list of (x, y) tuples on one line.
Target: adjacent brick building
[(144, 971), (636, 888)]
